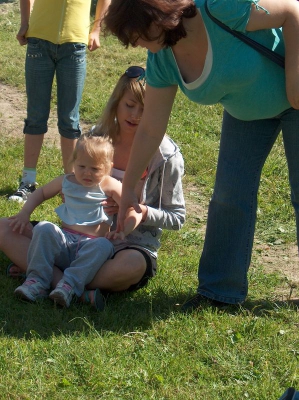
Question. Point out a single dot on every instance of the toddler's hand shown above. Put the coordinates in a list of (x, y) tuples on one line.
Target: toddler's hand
[(19, 222), (113, 235)]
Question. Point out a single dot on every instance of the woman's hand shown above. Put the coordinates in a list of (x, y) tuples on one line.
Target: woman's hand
[(292, 87), (128, 200), (21, 35), (94, 40), (131, 221), (110, 206), (113, 235)]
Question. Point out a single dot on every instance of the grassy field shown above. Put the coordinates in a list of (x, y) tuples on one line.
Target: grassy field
[(141, 346)]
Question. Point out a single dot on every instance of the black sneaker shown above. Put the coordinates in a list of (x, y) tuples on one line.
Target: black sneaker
[(199, 301), (24, 190)]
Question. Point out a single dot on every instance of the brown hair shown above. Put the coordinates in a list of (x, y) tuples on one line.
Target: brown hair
[(100, 148), (130, 19), (107, 124)]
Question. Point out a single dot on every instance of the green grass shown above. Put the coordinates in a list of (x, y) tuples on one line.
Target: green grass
[(141, 346)]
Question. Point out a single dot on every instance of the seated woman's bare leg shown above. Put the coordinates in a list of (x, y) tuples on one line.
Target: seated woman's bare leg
[(14, 245), (118, 274)]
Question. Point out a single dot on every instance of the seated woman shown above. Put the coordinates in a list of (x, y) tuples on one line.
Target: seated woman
[(160, 196)]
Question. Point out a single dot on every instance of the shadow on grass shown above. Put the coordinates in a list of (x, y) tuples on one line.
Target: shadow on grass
[(8, 190), (124, 313), (260, 307), (264, 306)]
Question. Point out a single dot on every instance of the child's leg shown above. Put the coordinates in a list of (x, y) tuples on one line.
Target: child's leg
[(91, 255), (47, 247)]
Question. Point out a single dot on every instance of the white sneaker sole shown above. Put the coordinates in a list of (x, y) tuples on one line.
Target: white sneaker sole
[(60, 299), (18, 199)]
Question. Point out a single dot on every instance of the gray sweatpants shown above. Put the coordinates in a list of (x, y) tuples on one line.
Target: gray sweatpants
[(79, 256)]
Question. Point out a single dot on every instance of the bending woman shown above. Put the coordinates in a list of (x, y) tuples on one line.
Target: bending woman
[(186, 49), (159, 191)]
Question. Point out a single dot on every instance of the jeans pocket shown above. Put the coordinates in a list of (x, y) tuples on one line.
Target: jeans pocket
[(79, 52), (33, 48)]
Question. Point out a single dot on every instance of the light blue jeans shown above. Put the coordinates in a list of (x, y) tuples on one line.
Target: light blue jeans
[(244, 147), (78, 256), (43, 60)]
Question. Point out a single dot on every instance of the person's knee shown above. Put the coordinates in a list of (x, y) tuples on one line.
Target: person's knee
[(133, 262), (70, 133), (44, 228), (121, 272), (131, 272), (35, 129)]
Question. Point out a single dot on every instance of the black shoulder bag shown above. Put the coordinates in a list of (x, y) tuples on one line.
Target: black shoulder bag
[(277, 58)]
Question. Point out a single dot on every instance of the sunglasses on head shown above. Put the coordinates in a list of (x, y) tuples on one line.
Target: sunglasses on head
[(135, 72)]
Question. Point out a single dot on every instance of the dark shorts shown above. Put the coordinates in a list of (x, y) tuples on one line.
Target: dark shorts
[(151, 268), (34, 223)]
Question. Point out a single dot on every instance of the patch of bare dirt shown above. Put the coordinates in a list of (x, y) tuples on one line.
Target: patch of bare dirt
[(5, 6), (13, 112), (276, 258)]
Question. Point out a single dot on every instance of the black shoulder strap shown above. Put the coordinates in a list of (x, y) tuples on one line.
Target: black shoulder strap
[(277, 58)]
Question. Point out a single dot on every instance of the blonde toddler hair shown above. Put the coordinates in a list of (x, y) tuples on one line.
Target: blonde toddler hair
[(100, 148)]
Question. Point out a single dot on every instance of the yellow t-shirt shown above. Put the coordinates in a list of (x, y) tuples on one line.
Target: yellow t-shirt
[(60, 21)]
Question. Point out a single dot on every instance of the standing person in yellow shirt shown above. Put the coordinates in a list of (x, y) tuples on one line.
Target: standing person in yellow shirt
[(57, 34)]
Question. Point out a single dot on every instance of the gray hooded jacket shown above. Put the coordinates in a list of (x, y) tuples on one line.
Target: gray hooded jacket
[(162, 192)]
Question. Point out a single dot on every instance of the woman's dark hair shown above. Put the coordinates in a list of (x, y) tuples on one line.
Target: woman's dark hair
[(129, 20)]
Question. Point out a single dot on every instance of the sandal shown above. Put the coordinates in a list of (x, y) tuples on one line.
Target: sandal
[(15, 275), (98, 300)]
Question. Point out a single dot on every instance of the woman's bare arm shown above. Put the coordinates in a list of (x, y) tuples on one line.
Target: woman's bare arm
[(285, 14), (151, 129)]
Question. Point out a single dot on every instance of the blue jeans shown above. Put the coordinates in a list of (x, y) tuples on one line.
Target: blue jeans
[(290, 394), (244, 147), (43, 60)]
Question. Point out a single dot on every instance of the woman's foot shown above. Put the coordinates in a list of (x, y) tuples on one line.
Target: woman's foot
[(95, 298), (15, 272), (199, 301)]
